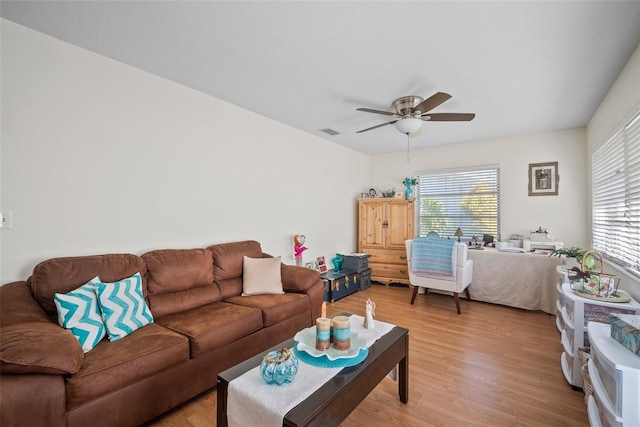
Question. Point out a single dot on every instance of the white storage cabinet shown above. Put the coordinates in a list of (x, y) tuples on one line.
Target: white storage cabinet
[(615, 375), (574, 312)]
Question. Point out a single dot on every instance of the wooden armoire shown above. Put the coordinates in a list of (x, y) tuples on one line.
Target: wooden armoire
[(383, 226)]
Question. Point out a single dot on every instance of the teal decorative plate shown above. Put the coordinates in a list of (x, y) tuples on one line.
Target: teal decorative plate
[(306, 342), (324, 362)]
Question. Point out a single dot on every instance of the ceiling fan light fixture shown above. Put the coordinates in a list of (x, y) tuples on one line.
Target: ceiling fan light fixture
[(408, 125)]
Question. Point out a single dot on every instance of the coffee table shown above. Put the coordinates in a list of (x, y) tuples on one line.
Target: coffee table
[(337, 398)]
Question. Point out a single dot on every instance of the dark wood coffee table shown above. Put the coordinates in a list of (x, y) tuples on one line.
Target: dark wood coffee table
[(334, 401)]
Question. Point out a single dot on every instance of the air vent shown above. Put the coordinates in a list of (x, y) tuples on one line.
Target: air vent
[(330, 131)]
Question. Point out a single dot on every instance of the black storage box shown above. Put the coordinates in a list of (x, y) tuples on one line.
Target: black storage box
[(364, 279), (357, 262)]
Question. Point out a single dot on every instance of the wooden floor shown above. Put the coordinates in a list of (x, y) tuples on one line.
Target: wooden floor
[(490, 366)]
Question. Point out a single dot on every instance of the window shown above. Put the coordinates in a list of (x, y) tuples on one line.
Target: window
[(616, 196), (469, 199)]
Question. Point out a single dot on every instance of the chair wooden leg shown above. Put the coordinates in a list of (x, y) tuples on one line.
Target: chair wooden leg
[(457, 299), (415, 292), (466, 291)]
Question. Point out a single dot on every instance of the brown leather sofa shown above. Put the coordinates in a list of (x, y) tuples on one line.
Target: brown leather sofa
[(202, 326)]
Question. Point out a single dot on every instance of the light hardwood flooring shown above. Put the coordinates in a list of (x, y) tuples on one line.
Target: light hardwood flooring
[(490, 366)]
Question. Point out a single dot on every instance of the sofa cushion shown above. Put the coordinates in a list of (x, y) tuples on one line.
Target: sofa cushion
[(261, 276), (275, 308), (230, 287), (78, 312), (113, 365), (66, 274), (213, 325), (179, 280), (172, 270), (228, 258), (123, 307), (17, 305), (174, 302)]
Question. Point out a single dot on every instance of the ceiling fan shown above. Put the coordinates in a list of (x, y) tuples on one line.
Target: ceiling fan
[(411, 111)]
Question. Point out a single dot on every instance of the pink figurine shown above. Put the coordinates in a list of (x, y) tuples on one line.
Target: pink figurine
[(298, 241)]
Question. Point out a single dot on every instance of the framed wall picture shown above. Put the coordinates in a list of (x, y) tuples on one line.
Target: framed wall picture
[(543, 179)]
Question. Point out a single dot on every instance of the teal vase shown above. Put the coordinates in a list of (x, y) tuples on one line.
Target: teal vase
[(337, 262), (408, 193)]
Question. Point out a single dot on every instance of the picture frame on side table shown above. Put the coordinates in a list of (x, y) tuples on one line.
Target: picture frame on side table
[(543, 179), (322, 265)]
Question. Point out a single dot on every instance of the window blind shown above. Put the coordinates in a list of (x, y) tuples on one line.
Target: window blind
[(616, 196), (469, 199)]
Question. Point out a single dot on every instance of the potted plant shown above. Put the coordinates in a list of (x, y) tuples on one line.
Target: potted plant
[(574, 257)]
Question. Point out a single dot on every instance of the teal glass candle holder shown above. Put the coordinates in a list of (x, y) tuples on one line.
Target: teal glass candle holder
[(279, 367)]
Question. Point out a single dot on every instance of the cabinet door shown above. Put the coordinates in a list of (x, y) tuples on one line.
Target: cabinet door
[(400, 218), (371, 223)]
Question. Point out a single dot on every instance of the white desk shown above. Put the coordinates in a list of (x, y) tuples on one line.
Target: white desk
[(522, 280)]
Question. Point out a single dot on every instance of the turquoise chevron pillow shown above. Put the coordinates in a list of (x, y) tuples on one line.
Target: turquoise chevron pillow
[(79, 313), (123, 306)]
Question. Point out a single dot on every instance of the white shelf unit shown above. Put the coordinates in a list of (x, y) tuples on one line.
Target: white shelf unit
[(615, 375), (574, 313)]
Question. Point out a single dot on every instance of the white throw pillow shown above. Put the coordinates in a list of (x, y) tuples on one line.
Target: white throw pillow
[(123, 306), (261, 276), (78, 312)]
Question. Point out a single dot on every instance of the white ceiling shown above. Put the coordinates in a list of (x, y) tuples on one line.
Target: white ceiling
[(521, 66)]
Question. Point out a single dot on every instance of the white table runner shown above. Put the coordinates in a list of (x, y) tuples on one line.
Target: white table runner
[(251, 402)]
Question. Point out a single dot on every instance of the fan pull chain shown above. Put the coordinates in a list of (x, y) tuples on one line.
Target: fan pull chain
[(408, 148)]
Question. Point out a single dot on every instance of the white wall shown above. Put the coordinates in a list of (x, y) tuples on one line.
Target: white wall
[(100, 157), (563, 215), (622, 99)]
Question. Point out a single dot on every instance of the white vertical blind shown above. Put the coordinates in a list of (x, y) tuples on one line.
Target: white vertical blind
[(469, 199), (616, 196)]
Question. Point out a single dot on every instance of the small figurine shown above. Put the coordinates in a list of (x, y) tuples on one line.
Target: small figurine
[(370, 311)]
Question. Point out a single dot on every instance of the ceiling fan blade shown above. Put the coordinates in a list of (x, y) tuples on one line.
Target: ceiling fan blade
[(369, 110), (448, 117), (377, 126), (432, 102)]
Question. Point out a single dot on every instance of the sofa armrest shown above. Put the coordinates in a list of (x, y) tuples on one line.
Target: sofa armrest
[(298, 279), (29, 341), (304, 280), (39, 347)]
